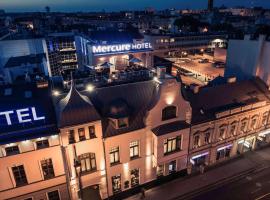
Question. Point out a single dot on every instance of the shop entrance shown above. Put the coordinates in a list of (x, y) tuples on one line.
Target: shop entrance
[(245, 145)]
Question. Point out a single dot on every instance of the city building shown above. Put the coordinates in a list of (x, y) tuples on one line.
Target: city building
[(210, 5), (254, 58), (116, 50), (128, 133), (61, 53), (227, 120), (31, 157), (165, 45)]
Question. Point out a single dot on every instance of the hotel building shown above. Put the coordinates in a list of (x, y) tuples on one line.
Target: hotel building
[(31, 157), (119, 49)]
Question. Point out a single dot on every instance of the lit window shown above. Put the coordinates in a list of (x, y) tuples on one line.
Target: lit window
[(172, 144), (114, 155), (222, 133), (116, 183), (134, 177), (168, 113), (88, 162), (134, 149)]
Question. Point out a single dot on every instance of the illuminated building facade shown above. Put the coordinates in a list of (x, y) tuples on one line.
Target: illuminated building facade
[(94, 51)]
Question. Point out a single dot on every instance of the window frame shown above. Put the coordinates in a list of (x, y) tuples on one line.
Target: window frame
[(170, 142), (167, 114), (48, 168), (114, 151), (91, 157), (25, 180), (132, 148)]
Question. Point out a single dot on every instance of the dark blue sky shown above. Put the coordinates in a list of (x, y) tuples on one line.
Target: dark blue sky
[(116, 5)]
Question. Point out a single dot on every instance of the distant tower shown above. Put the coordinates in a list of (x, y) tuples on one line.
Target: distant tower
[(210, 5), (47, 9)]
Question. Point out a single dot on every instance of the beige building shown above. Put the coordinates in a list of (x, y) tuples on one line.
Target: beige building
[(31, 161), (227, 120)]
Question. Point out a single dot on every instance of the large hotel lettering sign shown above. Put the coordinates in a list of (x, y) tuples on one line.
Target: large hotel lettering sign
[(120, 48), (20, 116)]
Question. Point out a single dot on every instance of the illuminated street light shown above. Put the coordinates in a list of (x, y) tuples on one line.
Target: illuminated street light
[(56, 93), (90, 88)]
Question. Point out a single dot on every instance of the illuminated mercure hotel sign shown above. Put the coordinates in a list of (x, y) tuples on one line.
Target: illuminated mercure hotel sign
[(121, 48), (23, 115)]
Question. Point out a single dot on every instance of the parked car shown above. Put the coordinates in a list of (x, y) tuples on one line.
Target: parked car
[(203, 60)]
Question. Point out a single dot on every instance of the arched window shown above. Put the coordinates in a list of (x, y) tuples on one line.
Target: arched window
[(168, 113)]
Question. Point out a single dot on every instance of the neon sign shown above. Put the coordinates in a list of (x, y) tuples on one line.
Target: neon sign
[(103, 49), (23, 115)]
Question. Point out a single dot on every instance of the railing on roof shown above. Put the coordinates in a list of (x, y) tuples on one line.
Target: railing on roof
[(118, 77)]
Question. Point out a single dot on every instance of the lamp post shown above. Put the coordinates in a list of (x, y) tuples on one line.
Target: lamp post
[(77, 165)]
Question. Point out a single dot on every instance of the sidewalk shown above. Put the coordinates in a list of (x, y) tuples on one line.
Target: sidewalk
[(184, 188)]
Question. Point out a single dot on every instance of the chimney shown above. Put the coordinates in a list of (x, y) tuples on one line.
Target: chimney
[(161, 71)]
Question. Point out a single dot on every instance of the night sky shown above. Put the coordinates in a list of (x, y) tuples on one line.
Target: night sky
[(116, 5)]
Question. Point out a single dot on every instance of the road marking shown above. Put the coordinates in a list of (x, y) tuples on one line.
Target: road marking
[(262, 196)]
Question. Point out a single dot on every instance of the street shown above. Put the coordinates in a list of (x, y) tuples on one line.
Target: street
[(253, 187)]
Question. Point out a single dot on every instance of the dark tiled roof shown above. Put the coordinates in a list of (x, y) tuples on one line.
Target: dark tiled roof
[(211, 100), (20, 60), (138, 98), (36, 97), (75, 109), (170, 128)]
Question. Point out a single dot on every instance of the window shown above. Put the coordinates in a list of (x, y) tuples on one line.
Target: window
[(134, 177), (42, 144), (19, 175), (122, 122), (47, 168), (116, 183), (253, 122), (222, 133), (81, 134), (172, 144), (172, 167), (265, 118), (12, 150), (224, 153), (71, 137), (92, 132), (233, 129), (160, 170), (196, 141), (168, 113), (134, 149), (54, 195), (88, 162), (207, 138), (114, 155), (243, 127)]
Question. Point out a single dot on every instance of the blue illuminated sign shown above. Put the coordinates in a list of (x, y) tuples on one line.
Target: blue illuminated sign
[(23, 115), (121, 48)]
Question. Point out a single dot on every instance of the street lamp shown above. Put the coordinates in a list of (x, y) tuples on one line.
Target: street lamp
[(77, 165)]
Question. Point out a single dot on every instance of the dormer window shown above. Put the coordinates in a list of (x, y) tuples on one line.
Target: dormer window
[(169, 113), (122, 122)]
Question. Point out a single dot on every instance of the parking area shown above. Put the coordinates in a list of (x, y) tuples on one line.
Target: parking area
[(197, 69)]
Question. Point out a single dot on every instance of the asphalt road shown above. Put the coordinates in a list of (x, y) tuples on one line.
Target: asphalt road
[(253, 187)]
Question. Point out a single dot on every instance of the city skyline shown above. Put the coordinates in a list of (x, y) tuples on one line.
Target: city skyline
[(95, 5)]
